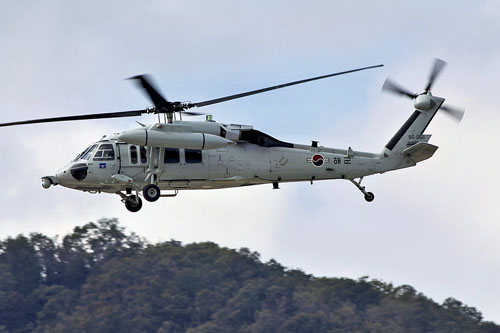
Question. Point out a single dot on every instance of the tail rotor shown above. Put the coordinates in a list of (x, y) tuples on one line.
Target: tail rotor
[(455, 113), (423, 101)]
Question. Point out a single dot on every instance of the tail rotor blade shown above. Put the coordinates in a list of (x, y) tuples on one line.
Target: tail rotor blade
[(392, 87), (456, 113), (436, 69)]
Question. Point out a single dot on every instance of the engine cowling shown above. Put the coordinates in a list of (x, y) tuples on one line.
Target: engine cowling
[(155, 138)]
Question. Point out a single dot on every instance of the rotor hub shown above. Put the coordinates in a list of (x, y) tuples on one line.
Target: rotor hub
[(423, 102)]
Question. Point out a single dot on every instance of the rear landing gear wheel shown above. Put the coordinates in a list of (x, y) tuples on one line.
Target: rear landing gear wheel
[(151, 192), (133, 203), (369, 196)]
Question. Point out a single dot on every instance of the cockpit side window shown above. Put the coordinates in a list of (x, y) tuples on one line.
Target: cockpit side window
[(106, 152)]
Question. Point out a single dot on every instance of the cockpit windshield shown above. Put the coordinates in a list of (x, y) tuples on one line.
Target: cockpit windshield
[(85, 155)]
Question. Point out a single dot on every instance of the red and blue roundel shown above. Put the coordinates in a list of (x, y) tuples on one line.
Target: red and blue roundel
[(317, 160)]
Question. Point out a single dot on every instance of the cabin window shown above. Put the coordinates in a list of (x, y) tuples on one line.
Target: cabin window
[(192, 155), (171, 155), (133, 154), (105, 153), (144, 155)]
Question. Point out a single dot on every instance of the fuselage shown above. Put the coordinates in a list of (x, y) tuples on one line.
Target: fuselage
[(112, 165)]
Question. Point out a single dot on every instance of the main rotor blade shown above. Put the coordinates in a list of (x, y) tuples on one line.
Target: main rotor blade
[(193, 113), (119, 114), (436, 69), (392, 87), (456, 113), (258, 91), (146, 82)]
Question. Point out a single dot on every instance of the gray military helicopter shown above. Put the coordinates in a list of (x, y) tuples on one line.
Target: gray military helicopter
[(176, 155)]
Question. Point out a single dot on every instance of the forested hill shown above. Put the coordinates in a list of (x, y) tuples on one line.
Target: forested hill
[(101, 279)]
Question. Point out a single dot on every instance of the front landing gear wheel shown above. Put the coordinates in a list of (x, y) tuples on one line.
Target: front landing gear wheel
[(369, 196), (133, 203), (151, 192)]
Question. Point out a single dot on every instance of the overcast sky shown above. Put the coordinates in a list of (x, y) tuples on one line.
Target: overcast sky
[(435, 226)]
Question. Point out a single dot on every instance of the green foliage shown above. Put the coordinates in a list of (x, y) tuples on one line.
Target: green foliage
[(99, 279)]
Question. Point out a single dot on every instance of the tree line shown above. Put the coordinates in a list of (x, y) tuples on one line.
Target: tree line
[(99, 278)]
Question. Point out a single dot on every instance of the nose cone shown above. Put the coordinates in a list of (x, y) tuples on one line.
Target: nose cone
[(72, 174), (63, 176)]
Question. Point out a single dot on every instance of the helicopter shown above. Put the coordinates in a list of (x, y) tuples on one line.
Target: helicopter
[(175, 155)]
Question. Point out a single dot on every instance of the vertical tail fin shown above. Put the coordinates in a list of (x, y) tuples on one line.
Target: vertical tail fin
[(413, 129)]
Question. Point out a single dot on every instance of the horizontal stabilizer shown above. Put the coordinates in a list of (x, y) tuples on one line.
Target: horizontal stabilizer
[(420, 151)]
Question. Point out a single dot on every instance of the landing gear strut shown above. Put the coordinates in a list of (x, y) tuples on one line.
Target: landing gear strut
[(369, 196), (151, 193), (132, 202)]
